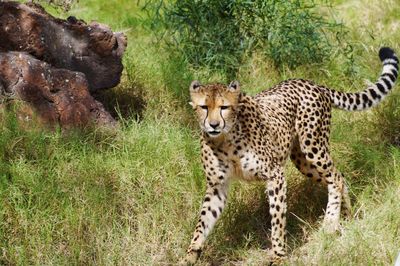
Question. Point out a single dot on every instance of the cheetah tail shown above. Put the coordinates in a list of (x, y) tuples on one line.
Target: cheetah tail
[(374, 93)]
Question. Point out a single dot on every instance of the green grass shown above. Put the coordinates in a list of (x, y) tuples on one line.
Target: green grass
[(131, 197)]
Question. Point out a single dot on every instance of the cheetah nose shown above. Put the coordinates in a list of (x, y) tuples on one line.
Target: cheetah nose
[(214, 124)]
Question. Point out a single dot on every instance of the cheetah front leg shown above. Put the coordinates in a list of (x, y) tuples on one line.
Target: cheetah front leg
[(213, 205), (276, 189)]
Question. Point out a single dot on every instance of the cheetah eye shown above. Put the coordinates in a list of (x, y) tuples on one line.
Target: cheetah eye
[(204, 107), (224, 107)]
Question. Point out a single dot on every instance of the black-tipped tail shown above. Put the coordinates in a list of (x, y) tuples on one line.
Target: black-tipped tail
[(374, 93), (387, 53)]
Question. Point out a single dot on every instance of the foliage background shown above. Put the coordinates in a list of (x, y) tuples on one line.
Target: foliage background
[(132, 196), (221, 35)]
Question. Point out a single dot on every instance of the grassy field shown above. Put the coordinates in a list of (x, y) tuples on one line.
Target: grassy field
[(132, 197)]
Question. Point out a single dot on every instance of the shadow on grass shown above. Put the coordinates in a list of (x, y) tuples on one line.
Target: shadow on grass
[(246, 222), (123, 102)]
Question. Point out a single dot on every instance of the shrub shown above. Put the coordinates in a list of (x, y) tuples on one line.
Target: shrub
[(220, 33)]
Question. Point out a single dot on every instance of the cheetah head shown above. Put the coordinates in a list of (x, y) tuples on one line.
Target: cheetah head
[(215, 106)]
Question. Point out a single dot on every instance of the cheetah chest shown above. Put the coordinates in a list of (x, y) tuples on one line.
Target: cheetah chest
[(247, 166)]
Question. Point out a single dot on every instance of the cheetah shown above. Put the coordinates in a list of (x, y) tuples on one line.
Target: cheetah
[(251, 138)]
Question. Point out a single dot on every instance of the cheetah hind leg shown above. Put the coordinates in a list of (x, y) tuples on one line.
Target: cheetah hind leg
[(308, 169), (346, 203)]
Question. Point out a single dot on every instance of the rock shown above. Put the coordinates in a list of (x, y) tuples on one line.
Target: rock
[(58, 96), (70, 44)]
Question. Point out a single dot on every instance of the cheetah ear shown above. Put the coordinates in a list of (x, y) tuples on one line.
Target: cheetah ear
[(194, 86), (234, 86)]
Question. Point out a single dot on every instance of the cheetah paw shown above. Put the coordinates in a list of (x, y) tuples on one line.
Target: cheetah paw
[(191, 257), (331, 227), (273, 258)]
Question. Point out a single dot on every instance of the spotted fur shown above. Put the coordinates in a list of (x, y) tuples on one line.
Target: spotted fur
[(252, 137)]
